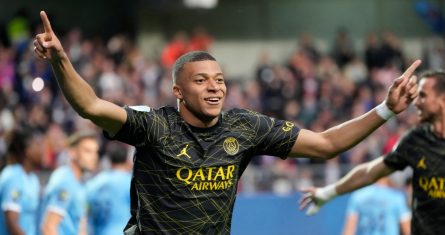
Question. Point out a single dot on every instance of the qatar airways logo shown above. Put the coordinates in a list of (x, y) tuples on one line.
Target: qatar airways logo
[(434, 186), (207, 178)]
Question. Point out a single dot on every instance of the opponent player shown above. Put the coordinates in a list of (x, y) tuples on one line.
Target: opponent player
[(189, 159), (64, 200), (378, 209), (108, 194), (421, 149), (19, 185)]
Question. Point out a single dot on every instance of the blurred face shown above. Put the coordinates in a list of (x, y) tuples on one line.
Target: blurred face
[(429, 104), (85, 154), (34, 151), (201, 90)]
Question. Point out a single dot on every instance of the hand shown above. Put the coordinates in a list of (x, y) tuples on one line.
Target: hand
[(314, 198), (47, 45), (403, 90)]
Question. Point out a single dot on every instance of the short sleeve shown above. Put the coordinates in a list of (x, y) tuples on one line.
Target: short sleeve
[(404, 212), (352, 208), (396, 159), (276, 137), (11, 196), (136, 129), (59, 200)]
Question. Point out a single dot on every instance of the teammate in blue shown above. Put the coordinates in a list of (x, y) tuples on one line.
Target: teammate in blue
[(189, 158), (19, 185), (378, 209), (64, 202), (108, 194)]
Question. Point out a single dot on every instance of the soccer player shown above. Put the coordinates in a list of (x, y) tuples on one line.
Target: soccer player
[(64, 200), (378, 209), (19, 185), (189, 159), (421, 148), (108, 194)]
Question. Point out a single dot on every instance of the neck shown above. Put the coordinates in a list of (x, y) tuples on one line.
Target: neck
[(119, 166), (76, 170), (195, 120), (28, 166), (438, 126)]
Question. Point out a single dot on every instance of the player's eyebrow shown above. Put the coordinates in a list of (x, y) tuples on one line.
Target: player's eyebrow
[(206, 75)]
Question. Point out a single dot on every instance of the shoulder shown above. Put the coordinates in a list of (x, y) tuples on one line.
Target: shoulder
[(11, 172), (139, 108), (96, 181), (62, 177), (243, 115), (147, 109)]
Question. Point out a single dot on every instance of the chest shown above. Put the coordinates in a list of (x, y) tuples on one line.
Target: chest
[(30, 196), (202, 149)]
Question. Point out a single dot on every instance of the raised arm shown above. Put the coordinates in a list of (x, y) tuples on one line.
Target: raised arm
[(342, 137), (360, 176), (79, 94)]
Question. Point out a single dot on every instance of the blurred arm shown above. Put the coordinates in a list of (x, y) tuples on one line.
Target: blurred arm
[(350, 224), (363, 175), (405, 227), (12, 222), (51, 223)]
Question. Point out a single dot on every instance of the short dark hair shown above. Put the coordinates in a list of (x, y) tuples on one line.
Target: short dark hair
[(77, 137), (117, 153), (19, 140), (189, 57), (439, 77)]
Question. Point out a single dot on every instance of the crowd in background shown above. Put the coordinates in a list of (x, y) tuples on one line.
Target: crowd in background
[(314, 89)]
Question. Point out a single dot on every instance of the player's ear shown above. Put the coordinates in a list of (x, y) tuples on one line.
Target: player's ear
[(177, 92)]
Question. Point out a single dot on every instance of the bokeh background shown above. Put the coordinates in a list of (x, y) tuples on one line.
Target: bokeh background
[(314, 62)]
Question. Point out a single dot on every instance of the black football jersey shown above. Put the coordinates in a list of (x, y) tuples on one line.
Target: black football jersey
[(185, 178)]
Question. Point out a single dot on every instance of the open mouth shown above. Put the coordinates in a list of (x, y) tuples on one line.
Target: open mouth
[(212, 100)]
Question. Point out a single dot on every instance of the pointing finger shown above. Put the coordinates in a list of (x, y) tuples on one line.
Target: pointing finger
[(46, 25), (411, 68)]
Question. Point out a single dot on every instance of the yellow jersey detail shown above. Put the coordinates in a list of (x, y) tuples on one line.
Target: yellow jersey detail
[(231, 145), (184, 152), (421, 164)]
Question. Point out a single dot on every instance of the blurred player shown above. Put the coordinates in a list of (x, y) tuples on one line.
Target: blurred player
[(19, 185), (422, 149), (109, 194), (189, 159), (378, 209), (64, 199)]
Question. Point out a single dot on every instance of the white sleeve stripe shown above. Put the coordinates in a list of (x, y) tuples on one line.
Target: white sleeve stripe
[(405, 217), (11, 207), (141, 108), (57, 210)]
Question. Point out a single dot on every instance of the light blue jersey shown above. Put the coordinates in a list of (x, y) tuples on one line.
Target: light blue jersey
[(379, 209), (65, 195), (109, 202), (19, 192)]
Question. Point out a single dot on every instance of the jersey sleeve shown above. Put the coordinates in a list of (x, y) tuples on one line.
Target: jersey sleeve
[(58, 200), (11, 195), (136, 130), (274, 137), (403, 211), (352, 208), (396, 159)]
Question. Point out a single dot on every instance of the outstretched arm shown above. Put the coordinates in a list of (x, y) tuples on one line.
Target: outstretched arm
[(360, 176), (79, 94), (342, 137)]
